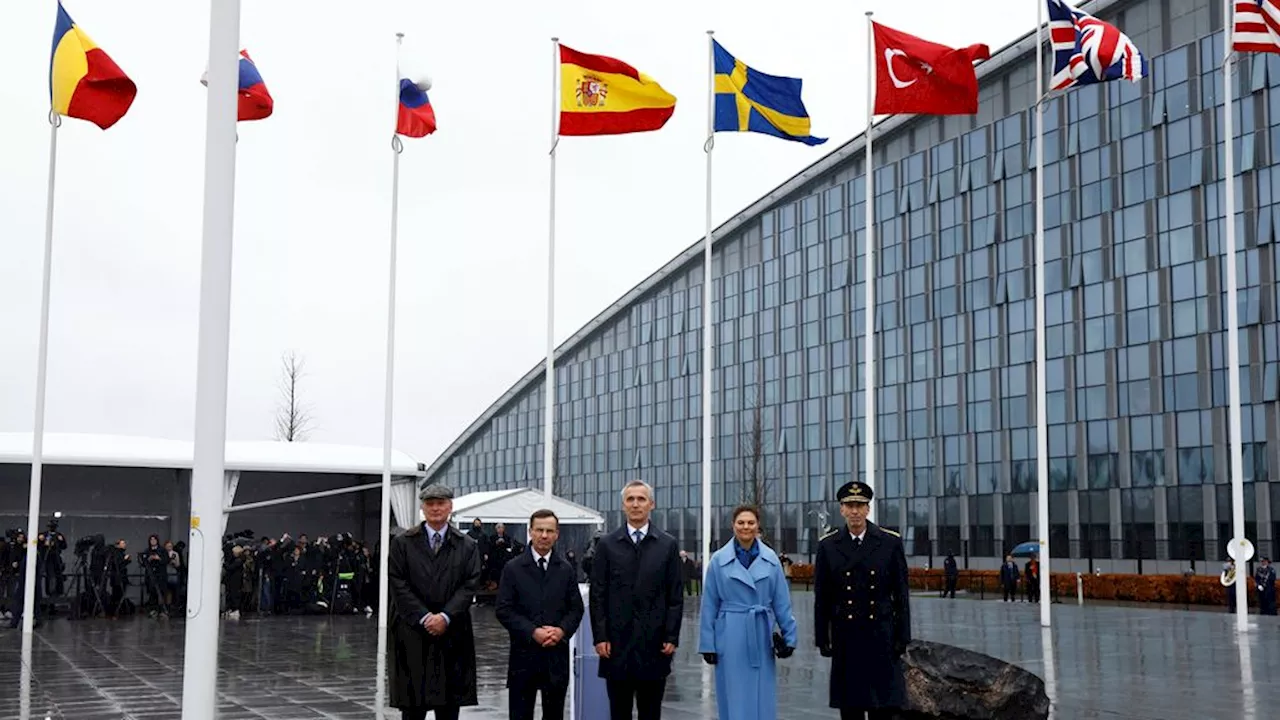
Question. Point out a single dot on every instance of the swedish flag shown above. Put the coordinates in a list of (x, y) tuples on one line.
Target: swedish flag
[(750, 101)]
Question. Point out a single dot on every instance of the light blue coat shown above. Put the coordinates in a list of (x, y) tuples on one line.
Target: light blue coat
[(739, 610)]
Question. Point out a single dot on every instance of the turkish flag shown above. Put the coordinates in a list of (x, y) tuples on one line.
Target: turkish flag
[(918, 77)]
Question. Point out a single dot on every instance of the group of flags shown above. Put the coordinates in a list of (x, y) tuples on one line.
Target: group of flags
[(86, 84), (604, 96), (601, 95)]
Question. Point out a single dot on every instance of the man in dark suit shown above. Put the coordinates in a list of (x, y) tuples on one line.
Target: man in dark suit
[(540, 606), (1009, 577), (432, 570), (636, 608), (952, 574), (861, 611), (1265, 579)]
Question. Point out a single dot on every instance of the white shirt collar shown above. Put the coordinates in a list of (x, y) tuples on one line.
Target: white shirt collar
[(432, 531), (858, 537), (644, 531), (537, 557)]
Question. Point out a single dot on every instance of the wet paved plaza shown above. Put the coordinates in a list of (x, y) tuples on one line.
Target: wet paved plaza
[(1106, 663)]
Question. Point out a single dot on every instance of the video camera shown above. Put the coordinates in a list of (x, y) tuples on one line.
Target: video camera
[(89, 543), (53, 521), (242, 538)]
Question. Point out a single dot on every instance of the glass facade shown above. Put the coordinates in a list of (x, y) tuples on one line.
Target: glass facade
[(1135, 331)]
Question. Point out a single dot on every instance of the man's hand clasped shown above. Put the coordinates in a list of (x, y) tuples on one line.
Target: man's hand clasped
[(435, 624), (548, 636)]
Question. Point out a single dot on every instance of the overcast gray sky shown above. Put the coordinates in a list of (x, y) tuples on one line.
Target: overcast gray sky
[(313, 196)]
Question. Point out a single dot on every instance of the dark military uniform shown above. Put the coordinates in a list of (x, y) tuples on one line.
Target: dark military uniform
[(862, 617)]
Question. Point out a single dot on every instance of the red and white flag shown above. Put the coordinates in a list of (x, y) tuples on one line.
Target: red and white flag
[(1256, 27), (918, 77)]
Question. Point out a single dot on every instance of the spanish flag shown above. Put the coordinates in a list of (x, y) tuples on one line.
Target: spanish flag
[(84, 82), (603, 96)]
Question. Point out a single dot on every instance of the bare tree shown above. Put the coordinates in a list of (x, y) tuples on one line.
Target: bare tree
[(293, 419), (558, 467), (758, 470)]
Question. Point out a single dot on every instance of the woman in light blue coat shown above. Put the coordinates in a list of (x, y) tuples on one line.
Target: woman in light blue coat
[(745, 595)]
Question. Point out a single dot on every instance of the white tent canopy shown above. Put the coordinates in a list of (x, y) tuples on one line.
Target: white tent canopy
[(516, 505), (251, 456)]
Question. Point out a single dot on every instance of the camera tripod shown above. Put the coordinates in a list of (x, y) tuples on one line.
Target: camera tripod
[(81, 577)]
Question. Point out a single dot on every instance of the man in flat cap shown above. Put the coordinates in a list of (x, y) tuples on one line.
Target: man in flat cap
[(433, 571), (861, 612)]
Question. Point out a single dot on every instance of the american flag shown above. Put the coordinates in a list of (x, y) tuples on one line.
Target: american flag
[(1257, 26), (1087, 50)]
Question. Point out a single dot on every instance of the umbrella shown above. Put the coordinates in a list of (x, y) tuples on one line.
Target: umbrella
[(1031, 548)]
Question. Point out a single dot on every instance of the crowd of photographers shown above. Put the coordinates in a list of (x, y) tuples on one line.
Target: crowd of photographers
[(265, 575), (335, 574)]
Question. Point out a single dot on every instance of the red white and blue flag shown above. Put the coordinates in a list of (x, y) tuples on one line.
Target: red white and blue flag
[(1256, 27), (416, 118), (254, 103), (1087, 50)]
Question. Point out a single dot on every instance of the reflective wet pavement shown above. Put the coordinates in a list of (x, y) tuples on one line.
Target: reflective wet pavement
[(1106, 663)]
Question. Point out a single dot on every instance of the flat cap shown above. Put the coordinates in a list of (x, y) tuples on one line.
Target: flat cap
[(854, 492), (436, 492)]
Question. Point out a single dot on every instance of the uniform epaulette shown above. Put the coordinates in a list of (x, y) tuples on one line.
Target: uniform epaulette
[(891, 532), (829, 534)]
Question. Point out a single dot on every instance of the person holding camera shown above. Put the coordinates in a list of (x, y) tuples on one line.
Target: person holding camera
[(154, 560), (51, 545), (117, 575), (17, 562), (745, 595)]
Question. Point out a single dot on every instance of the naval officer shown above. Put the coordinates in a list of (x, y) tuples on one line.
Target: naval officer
[(861, 612)]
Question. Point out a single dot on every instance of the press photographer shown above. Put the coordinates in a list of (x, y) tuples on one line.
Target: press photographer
[(17, 564), (50, 546)]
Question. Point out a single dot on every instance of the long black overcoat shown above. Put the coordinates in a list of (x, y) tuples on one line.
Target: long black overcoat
[(425, 670), (861, 612), (636, 603)]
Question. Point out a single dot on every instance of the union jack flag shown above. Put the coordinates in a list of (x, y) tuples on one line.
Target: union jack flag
[(1257, 26), (1087, 50)]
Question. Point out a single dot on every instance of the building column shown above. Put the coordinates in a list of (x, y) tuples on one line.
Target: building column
[(1159, 497), (1264, 542), (1117, 524), (1215, 549)]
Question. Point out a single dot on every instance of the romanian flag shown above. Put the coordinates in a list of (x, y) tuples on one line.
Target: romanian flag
[(750, 101), (603, 96), (84, 82), (416, 117)]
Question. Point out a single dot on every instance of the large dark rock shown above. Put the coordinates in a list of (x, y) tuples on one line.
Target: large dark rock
[(950, 683)]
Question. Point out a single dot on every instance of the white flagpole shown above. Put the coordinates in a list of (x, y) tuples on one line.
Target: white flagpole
[(869, 282), (200, 664), (708, 340), (1042, 410), (549, 414), (42, 372), (1235, 444), (384, 521)]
